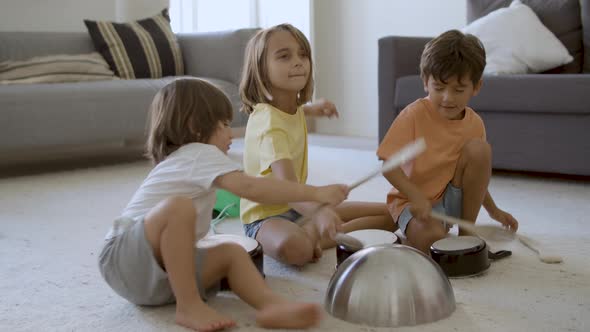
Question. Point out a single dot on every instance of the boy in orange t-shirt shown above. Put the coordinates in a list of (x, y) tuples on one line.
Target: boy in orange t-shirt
[(452, 175)]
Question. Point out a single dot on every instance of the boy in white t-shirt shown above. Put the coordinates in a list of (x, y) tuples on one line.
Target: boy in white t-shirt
[(149, 256)]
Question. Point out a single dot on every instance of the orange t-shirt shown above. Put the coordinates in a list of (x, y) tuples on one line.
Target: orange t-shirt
[(434, 168)]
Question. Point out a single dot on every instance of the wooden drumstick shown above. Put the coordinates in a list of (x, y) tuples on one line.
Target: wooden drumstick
[(404, 155), (487, 231), (502, 233)]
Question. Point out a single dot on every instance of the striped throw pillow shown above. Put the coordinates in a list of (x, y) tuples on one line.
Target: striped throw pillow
[(145, 48), (59, 68)]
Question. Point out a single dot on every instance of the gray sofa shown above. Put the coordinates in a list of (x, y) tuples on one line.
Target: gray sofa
[(54, 121), (534, 122)]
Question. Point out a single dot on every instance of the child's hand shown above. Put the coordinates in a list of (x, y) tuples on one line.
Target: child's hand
[(505, 219), (332, 194), (420, 208), (327, 222), (322, 107)]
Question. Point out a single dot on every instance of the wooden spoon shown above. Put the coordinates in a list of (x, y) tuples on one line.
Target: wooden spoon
[(491, 232)]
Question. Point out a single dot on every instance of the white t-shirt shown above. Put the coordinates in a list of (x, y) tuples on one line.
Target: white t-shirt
[(188, 172)]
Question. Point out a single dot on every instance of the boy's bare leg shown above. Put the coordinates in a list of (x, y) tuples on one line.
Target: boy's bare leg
[(362, 215), (170, 230), (286, 242), (421, 234), (472, 175), (273, 311)]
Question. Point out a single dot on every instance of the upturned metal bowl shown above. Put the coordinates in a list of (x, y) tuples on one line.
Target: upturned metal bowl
[(389, 286)]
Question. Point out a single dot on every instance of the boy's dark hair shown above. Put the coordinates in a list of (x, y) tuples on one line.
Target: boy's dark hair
[(184, 111), (453, 53)]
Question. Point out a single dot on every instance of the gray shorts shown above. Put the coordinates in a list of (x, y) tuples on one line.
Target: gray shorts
[(451, 204), (252, 228), (128, 265)]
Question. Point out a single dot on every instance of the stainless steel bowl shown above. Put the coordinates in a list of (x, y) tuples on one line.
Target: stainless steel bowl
[(389, 286)]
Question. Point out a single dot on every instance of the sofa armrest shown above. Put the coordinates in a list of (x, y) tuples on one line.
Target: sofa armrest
[(398, 57), (215, 54)]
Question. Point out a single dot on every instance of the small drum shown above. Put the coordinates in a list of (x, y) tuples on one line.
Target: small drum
[(461, 256), (252, 246), (369, 237)]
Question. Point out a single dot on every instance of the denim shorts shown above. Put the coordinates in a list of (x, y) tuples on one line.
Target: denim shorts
[(451, 204), (252, 228)]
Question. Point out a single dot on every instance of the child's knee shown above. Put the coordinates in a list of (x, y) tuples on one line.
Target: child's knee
[(225, 255), (477, 150), (233, 250), (296, 249)]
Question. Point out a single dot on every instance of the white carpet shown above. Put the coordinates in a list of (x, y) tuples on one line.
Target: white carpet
[(52, 226)]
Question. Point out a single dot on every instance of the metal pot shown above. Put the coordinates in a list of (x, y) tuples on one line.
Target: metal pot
[(461, 256), (389, 286), (368, 237)]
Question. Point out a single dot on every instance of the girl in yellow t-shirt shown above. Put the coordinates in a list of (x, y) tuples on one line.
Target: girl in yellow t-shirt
[(276, 85)]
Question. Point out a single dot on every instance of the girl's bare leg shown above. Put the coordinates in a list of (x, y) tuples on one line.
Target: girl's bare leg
[(286, 242), (362, 215), (170, 230), (365, 215), (273, 311)]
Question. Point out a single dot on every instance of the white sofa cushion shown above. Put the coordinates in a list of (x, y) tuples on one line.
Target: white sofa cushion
[(517, 42)]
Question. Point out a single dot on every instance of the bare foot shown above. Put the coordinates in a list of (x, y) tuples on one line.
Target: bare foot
[(312, 232), (313, 235), (317, 253), (289, 315), (200, 317)]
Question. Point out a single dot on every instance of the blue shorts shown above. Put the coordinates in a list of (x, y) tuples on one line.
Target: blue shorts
[(252, 228), (451, 204)]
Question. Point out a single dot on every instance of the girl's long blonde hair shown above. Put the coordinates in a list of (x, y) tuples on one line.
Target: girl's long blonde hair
[(255, 85), (185, 111)]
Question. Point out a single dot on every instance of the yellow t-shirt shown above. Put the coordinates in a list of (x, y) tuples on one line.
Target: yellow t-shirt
[(272, 135), (432, 170)]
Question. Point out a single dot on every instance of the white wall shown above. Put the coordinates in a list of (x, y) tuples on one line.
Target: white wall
[(52, 15), (295, 12), (345, 34), (129, 10), (68, 15)]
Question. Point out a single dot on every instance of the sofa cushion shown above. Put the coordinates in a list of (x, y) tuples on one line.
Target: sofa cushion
[(22, 45), (56, 69), (529, 93), (516, 41), (76, 114), (562, 17), (585, 6), (145, 48)]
